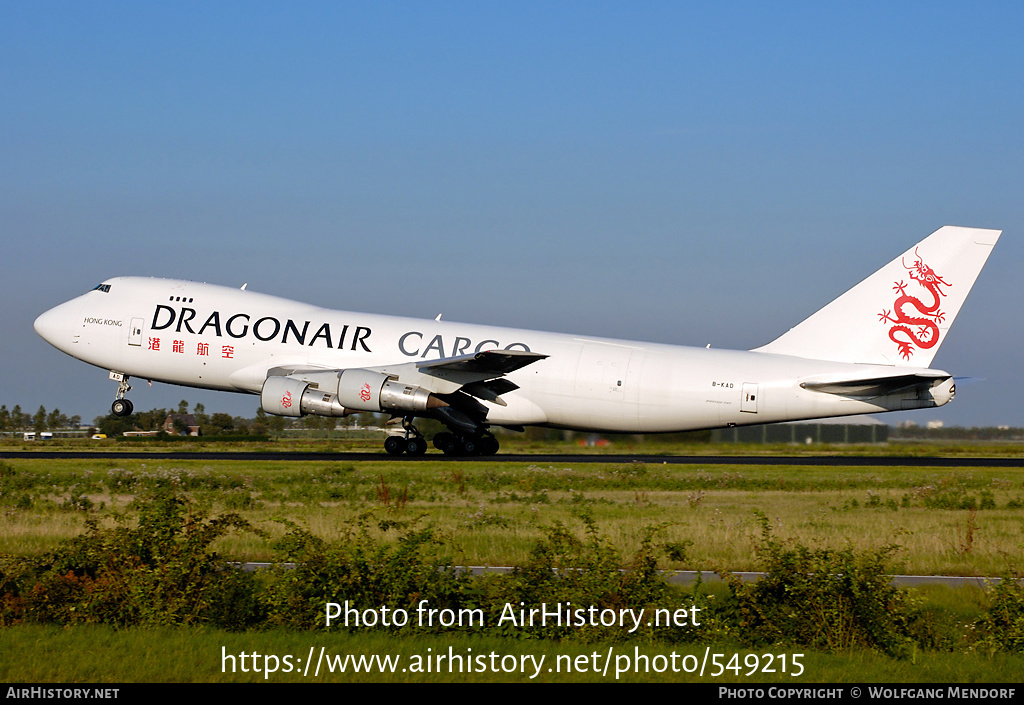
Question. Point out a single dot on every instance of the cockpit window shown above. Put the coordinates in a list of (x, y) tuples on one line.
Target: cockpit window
[(105, 288)]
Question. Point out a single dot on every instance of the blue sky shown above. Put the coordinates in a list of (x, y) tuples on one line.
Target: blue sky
[(676, 172)]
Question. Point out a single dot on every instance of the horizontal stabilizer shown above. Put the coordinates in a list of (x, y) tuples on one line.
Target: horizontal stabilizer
[(877, 386)]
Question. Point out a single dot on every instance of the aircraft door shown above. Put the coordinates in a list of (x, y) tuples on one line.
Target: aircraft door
[(748, 402), (607, 386), (602, 372), (135, 332)]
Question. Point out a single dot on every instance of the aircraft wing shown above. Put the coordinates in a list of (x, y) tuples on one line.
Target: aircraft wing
[(477, 374), (449, 387), (489, 363)]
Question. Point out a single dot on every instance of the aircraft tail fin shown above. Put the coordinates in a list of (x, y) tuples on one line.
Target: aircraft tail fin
[(901, 313)]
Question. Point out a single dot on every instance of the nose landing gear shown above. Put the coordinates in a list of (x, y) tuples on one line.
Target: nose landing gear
[(121, 406)]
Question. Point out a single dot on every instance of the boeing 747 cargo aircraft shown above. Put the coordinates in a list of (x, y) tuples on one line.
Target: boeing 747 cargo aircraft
[(868, 351)]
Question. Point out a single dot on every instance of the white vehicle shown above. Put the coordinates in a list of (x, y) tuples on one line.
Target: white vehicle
[(868, 351)]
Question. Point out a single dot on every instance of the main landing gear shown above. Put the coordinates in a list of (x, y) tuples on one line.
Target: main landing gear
[(121, 406), (411, 443), (456, 444)]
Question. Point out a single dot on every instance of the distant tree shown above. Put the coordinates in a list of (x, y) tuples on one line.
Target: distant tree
[(221, 423), (276, 424), (39, 420), (199, 411), (116, 425), (318, 422), (53, 420), (152, 420), (5, 418), (366, 418), (260, 425), (183, 407), (17, 418)]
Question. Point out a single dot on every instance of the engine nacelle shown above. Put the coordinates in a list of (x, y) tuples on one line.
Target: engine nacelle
[(366, 390), (342, 393), (283, 396), (290, 396)]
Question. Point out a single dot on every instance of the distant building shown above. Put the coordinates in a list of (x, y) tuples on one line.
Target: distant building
[(176, 422), (850, 430)]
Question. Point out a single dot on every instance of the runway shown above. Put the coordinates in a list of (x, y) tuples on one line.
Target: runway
[(805, 460)]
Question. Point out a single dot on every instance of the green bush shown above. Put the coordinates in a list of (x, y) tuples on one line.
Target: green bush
[(582, 573), (1002, 627), (160, 572), (367, 572), (163, 571), (822, 598), (935, 628)]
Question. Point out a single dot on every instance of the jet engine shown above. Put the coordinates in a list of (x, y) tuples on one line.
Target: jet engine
[(334, 393)]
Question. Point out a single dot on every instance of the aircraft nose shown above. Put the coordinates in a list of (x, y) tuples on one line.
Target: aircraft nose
[(54, 326)]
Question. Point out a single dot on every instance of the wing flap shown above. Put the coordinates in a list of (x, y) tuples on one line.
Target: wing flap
[(493, 363), (479, 375), (492, 390)]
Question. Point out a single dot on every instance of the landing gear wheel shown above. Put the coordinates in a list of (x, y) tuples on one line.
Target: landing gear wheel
[(446, 442), (417, 445), (395, 445), (121, 407), (451, 444), (470, 446), (488, 445)]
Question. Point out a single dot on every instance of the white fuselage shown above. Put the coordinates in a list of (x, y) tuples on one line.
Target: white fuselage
[(215, 337)]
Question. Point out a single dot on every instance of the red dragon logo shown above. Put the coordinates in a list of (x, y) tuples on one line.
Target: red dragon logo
[(910, 330), (286, 400), (364, 393)]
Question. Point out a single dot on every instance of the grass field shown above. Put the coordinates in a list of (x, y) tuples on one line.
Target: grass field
[(959, 522), (519, 444), (967, 521)]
